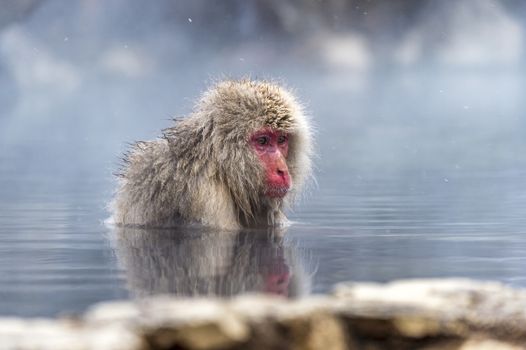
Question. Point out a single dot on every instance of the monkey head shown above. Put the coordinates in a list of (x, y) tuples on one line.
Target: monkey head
[(261, 141)]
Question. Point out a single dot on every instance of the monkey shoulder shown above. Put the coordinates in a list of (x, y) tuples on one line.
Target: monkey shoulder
[(146, 160), (147, 192), (149, 172)]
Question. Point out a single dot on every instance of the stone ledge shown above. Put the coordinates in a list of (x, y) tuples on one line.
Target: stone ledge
[(407, 314)]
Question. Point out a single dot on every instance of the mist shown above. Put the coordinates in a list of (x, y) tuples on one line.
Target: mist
[(391, 86)]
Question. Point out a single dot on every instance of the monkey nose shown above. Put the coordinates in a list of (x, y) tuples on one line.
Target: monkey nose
[(283, 174), (282, 177)]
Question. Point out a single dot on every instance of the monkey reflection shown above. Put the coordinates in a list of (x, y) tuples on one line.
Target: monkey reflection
[(193, 262)]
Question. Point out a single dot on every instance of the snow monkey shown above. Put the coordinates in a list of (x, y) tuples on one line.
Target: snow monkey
[(237, 161)]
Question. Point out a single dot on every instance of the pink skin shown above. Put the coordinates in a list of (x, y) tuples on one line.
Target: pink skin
[(272, 148)]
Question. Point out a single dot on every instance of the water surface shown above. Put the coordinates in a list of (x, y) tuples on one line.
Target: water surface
[(58, 257)]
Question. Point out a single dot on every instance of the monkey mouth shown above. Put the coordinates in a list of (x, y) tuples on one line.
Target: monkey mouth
[(276, 191)]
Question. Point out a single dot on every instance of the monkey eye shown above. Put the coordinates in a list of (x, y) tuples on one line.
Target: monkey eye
[(263, 140), (282, 139)]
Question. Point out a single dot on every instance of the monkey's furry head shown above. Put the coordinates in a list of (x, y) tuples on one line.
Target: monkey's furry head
[(218, 131)]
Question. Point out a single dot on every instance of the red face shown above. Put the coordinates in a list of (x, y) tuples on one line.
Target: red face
[(272, 148)]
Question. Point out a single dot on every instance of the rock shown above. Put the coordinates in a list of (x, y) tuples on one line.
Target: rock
[(450, 314), (66, 335), (166, 323), (487, 344), (443, 308), (276, 323)]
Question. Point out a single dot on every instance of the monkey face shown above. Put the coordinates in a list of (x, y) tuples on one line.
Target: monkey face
[(272, 148)]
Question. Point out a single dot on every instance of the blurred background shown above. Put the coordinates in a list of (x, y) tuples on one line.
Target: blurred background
[(398, 85), (419, 108)]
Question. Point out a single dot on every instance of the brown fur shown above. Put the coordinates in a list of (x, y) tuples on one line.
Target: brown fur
[(203, 170)]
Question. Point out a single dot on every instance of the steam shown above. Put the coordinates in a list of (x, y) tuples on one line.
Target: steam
[(441, 89)]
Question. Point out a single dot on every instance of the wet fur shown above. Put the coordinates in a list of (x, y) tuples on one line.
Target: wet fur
[(203, 170)]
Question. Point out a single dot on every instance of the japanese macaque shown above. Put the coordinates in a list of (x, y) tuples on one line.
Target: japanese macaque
[(237, 161)]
